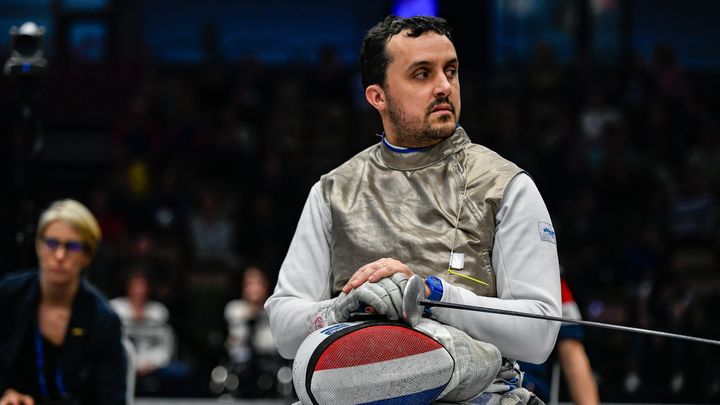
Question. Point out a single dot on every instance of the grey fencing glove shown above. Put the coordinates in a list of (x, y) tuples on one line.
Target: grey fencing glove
[(385, 296)]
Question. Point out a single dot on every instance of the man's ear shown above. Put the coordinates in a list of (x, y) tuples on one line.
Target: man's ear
[(375, 95)]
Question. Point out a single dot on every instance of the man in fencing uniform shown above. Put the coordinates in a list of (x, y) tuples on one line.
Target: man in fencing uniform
[(424, 201)]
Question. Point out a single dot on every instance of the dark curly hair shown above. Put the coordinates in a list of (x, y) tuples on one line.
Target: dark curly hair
[(374, 59)]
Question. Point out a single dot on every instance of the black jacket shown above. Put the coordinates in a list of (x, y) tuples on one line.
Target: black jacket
[(92, 354)]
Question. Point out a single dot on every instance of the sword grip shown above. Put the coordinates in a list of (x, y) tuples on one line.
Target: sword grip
[(364, 312)]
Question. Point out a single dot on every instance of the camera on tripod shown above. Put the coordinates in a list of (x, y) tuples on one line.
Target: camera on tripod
[(26, 51)]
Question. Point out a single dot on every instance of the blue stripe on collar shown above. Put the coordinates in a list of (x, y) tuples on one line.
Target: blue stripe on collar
[(401, 150)]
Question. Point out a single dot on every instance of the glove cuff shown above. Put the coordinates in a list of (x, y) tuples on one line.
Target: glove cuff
[(324, 315)]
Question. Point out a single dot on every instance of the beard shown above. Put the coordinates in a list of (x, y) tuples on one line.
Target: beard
[(420, 133)]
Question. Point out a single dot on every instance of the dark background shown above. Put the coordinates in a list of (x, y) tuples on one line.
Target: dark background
[(188, 123)]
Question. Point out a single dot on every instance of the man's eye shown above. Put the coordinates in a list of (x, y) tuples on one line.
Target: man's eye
[(421, 75), (451, 72)]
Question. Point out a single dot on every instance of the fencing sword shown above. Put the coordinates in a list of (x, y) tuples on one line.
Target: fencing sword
[(414, 302)]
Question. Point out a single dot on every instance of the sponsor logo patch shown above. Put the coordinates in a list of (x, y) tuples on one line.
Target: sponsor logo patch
[(547, 233)]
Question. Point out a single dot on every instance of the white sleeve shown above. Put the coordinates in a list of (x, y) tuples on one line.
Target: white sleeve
[(161, 352), (527, 272), (303, 287)]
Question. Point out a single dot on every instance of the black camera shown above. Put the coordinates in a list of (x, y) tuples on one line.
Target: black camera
[(26, 51)]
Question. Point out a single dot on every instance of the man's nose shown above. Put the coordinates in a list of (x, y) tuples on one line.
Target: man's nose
[(443, 88)]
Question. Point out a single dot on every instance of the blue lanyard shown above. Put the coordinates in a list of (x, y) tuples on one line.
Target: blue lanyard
[(40, 361)]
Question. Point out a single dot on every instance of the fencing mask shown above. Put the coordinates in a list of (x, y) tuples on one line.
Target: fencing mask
[(378, 362)]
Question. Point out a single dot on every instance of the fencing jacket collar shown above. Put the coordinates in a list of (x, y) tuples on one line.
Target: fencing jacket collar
[(424, 157)]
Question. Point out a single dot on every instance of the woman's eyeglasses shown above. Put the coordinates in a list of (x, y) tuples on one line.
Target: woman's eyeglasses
[(71, 246)]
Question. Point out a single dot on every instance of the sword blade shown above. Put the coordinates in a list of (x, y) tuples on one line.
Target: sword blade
[(433, 303)]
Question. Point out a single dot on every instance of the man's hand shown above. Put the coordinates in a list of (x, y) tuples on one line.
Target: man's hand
[(385, 296), (375, 271), (12, 397)]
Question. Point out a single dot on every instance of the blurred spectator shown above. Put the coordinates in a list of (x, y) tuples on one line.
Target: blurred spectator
[(330, 80), (704, 155), (211, 232), (170, 204), (145, 322), (136, 136), (235, 146), (169, 209), (111, 222), (692, 207), (665, 303), (267, 229), (671, 79), (187, 132), (114, 229), (642, 257), (597, 116), (251, 353), (141, 252), (545, 78)]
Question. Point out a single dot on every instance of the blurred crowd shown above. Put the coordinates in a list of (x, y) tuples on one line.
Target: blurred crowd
[(627, 160), (208, 167)]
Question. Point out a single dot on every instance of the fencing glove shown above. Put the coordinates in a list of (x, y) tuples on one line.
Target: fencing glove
[(385, 296)]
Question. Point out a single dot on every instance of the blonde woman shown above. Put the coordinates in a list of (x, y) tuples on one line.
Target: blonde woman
[(61, 341)]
